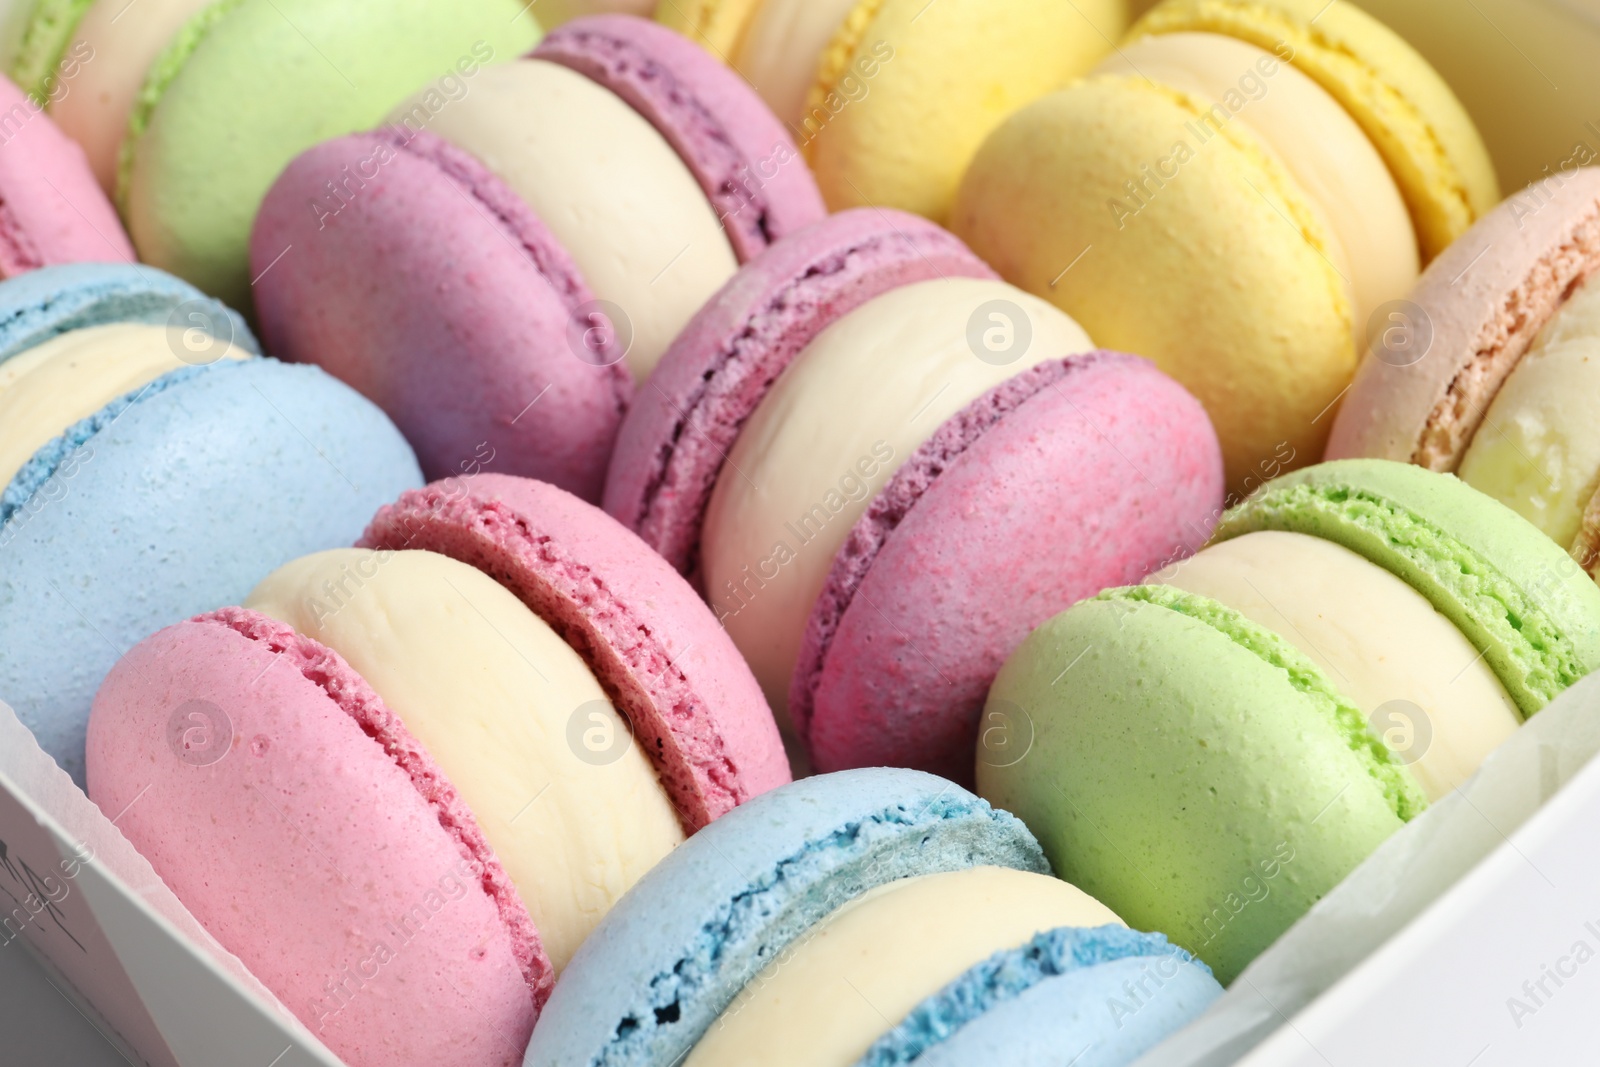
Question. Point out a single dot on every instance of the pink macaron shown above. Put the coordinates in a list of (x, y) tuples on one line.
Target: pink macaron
[(497, 269), (1050, 471), (51, 209), (341, 843)]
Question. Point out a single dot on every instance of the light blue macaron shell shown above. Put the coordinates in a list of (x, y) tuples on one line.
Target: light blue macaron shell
[(686, 939), (1087, 997), (178, 503), (38, 305)]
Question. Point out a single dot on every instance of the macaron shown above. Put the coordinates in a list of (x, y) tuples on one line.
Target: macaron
[(884, 467), (490, 269), (1254, 721), (151, 466), (873, 916), (1235, 194), (558, 12), (203, 105), (1487, 368), (51, 212), (400, 782), (890, 99)]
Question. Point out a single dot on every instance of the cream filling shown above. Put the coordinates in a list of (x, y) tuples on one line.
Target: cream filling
[(607, 184), (1538, 450), (1376, 639), (857, 974), (507, 709), (1295, 119), (73, 375), (125, 40), (781, 53), (833, 430)]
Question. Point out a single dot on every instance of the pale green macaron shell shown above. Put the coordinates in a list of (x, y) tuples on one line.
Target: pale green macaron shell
[(1516, 596), (249, 84), (1190, 769), (50, 26), (1199, 775)]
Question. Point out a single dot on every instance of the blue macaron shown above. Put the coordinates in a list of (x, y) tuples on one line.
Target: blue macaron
[(172, 500), (677, 950)]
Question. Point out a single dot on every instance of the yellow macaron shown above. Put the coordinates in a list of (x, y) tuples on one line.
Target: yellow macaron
[(1236, 194), (890, 99)]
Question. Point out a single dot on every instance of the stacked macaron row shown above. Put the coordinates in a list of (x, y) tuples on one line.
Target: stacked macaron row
[(1254, 721), (1236, 194), (884, 466), (877, 917), (188, 109), (51, 211), (400, 782), (502, 270), (150, 466), (889, 99), (1490, 368)]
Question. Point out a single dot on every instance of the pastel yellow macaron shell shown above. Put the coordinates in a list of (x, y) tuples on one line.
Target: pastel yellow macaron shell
[(1222, 271), (715, 24), (1417, 124), (958, 68)]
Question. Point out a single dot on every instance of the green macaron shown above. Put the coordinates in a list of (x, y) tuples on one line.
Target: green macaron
[(1213, 770), (247, 85)]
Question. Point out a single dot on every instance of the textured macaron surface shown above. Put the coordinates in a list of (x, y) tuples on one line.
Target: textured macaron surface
[(177, 505), (51, 210), (675, 441), (1008, 976), (306, 829), (745, 159), (999, 521), (694, 707), (248, 84), (55, 300), (479, 368), (44, 39), (1166, 732), (684, 941), (1413, 119), (1515, 594)]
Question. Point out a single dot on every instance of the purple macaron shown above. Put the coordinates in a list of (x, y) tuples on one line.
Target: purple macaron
[(410, 268), (1082, 470)]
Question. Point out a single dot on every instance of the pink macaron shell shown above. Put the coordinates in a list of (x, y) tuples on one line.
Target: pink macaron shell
[(676, 438), (744, 158), (1482, 303), (655, 647), (317, 842), (1075, 476), (431, 288), (52, 211)]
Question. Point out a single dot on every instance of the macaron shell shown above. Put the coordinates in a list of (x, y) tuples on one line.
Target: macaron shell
[(1218, 275), (1004, 518), (684, 941), (478, 365), (1414, 120), (249, 84), (1513, 592), (49, 29), (938, 78), (55, 300), (694, 706), (716, 25), (675, 440), (745, 160), (180, 505), (245, 764), (51, 209), (1470, 319), (1161, 744)]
